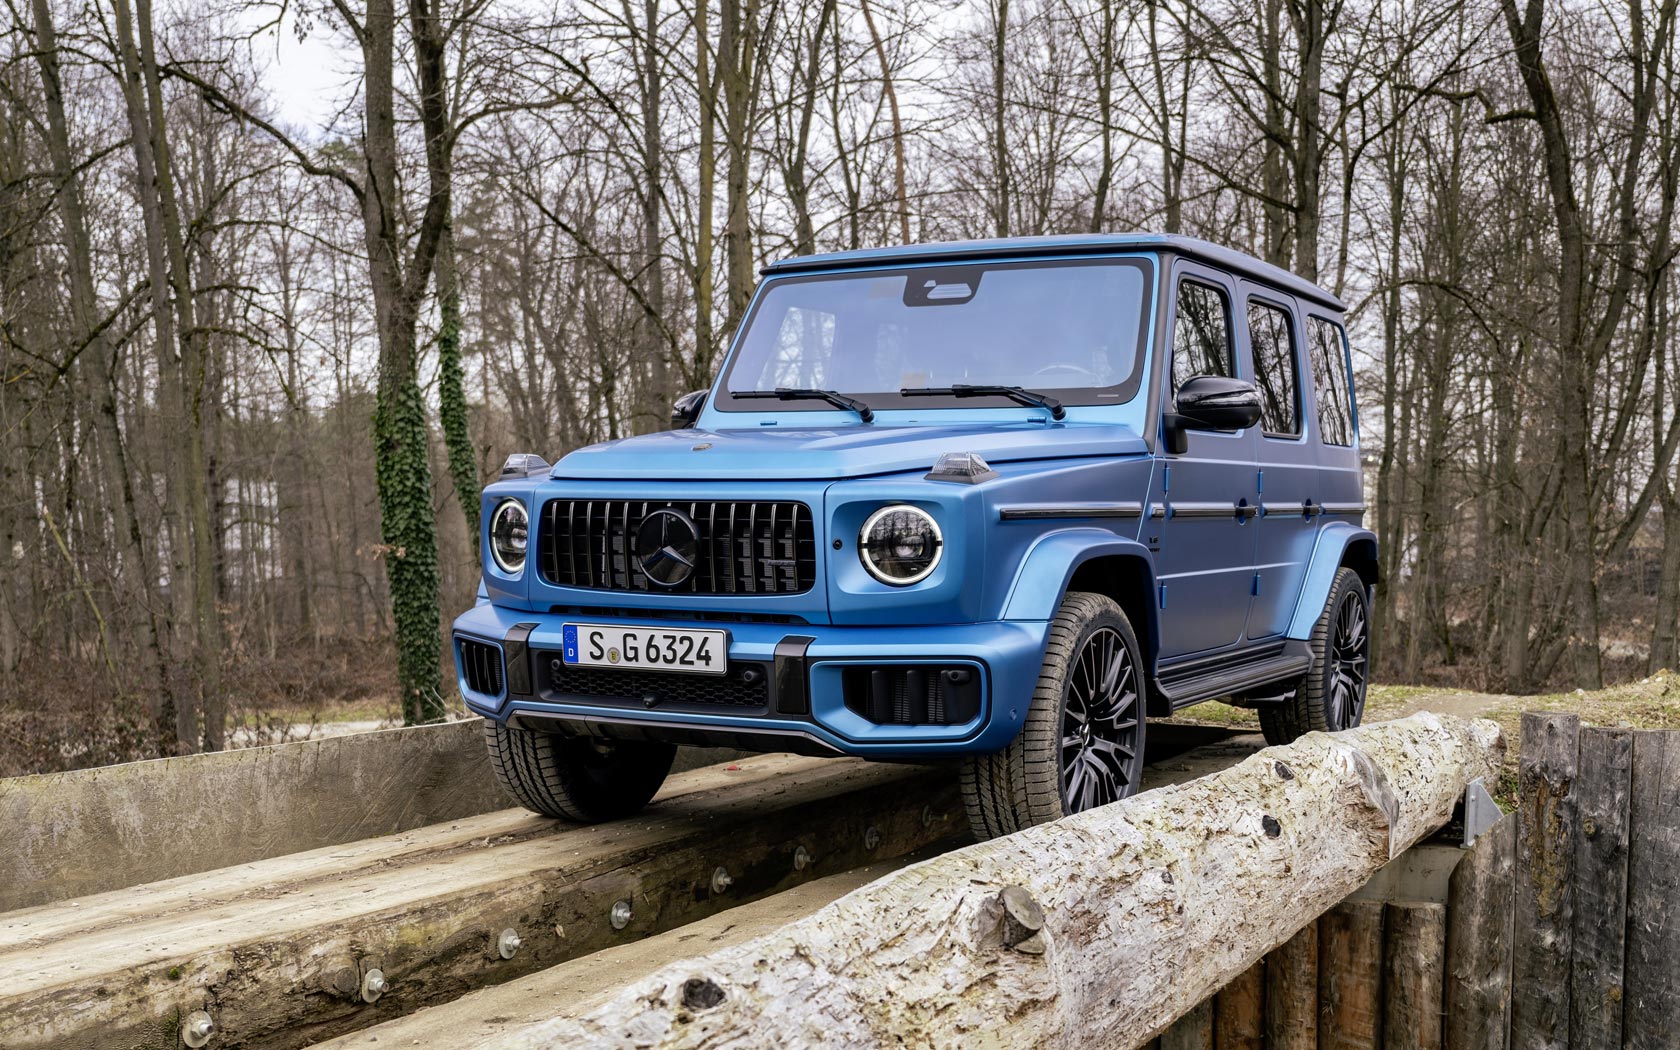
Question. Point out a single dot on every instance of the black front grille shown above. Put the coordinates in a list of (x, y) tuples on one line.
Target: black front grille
[(745, 689), (481, 663), (912, 694), (744, 547)]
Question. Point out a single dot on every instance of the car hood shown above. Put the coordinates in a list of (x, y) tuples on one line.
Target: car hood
[(788, 453)]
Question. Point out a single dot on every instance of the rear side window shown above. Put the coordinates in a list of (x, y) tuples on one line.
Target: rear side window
[(1271, 335), (1330, 379), (1202, 334)]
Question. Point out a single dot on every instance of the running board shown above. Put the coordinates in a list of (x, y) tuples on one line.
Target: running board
[(1235, 673)]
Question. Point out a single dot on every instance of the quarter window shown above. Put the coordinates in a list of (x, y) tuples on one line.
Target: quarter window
[(1271, 336), (1330, 368), (1202, 334)]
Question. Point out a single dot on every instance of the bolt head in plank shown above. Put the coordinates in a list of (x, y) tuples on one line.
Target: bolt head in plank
[(620, 914), (507, 945), (721, 880), (871, 837), (801, 859), (197, 1028), (374, 985)]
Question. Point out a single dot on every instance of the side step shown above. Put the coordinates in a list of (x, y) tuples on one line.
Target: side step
[(1233, 673)]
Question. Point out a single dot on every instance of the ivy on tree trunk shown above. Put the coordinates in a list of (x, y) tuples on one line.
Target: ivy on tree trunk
[(411, 558)]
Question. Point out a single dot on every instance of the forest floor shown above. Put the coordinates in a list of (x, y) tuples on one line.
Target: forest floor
[(1650, 703)]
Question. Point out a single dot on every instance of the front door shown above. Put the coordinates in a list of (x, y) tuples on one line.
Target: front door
[(1206, 497)]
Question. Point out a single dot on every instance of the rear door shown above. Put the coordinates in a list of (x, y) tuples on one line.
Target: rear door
[(1287, 463), (1205, 565)]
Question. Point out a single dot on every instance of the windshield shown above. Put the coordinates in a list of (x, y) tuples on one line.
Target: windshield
[(1073, 329)]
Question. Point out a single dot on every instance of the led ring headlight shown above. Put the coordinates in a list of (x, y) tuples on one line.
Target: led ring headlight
[(900, 544), (510, 533)]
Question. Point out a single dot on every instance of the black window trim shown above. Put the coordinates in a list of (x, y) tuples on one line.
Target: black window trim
[(1270, 297)]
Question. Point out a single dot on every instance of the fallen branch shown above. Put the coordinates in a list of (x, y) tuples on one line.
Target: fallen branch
[(1099, 930)]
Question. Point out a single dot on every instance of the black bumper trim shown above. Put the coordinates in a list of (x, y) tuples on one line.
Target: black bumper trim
[(792, 683)]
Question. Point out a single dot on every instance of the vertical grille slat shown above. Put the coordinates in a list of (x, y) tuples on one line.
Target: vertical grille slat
[(481, 666), (744, 547)]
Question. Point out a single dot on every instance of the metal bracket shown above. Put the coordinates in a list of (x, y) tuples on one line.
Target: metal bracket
[(1481, 812)]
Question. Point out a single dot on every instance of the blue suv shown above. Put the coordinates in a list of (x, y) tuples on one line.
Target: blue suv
[(996, 502)]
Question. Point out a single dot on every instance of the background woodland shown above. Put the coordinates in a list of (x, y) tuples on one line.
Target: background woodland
[(253, 371)]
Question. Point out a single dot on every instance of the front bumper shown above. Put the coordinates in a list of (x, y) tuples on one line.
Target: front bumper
[(805, 709)]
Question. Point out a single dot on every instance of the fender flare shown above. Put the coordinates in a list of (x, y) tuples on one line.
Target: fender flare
[(1050, 564), (1332, 545)]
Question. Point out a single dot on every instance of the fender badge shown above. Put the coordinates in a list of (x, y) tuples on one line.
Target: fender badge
[(703, 446)]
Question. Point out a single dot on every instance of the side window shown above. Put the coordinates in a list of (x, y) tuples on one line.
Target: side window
[(1272, 338), (1202, 334), (1330, 378)]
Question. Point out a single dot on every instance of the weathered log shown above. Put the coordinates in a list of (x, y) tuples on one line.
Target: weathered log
[(1414, 951), (1350, 948), (1292, 992), (1601, 868), (1652, 1009), (1479, 899), (1239, 1011), (1543, 929), (1150, 906)]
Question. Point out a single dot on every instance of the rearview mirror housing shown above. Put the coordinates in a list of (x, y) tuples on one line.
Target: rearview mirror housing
[(685, 410), (1210, 403)]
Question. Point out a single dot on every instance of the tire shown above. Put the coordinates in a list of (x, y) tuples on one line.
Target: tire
[(1331, 696), (1059, 763), (576, 778)]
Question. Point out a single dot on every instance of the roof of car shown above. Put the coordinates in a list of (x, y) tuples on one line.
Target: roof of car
[(1068, 244)]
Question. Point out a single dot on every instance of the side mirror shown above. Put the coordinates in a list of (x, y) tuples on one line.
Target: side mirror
[(685, 410), (1210, 403)]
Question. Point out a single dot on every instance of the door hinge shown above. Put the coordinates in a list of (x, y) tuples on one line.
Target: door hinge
[(1163, 596), (1256, 590), (1260, 481)]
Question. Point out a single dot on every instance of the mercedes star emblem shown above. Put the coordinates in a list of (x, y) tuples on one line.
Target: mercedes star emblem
[(667, 542)]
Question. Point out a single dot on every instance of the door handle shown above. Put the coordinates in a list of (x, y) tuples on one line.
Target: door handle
[(1246, 510)]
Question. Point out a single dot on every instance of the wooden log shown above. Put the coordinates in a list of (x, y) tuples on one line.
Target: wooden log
[(1350, 953), (1414, 962), (1478, 978), (1239, 1011), (1292, 992), (276, 950), (1602, 784), (1544, 916), (1144, 909), (1651, 1018), (1193, 1031)]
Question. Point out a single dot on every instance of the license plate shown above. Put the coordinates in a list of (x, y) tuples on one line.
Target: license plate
[(645, 648)]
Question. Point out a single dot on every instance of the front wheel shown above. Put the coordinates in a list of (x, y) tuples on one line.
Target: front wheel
[(1082, 744), (576, 778), (1331, 697)]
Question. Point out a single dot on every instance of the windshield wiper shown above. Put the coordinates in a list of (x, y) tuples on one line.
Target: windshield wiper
[(1019, 395), (807, 393)]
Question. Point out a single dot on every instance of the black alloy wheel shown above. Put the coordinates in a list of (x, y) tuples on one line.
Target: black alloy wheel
[(1350, 653), (1101, 745)]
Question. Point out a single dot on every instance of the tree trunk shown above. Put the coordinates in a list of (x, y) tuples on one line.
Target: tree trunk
[(1097, 930), (901, 196)]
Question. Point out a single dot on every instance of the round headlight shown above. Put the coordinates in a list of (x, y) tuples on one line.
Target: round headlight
[(510, 532), (900, 544)]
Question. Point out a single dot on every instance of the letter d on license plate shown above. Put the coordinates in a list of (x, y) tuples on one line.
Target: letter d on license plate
[(645, 648)]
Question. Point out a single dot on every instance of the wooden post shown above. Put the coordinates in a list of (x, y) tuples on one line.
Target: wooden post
[(1350, 949), (1292, 992), (1601, 868), (1414, 958), (1652, 1015), (1478, 977), (1193, 1031), (1544, 919), (1238, 1015)]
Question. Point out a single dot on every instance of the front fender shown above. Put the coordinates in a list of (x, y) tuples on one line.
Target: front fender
[(1044, 573), (1333, 542)]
